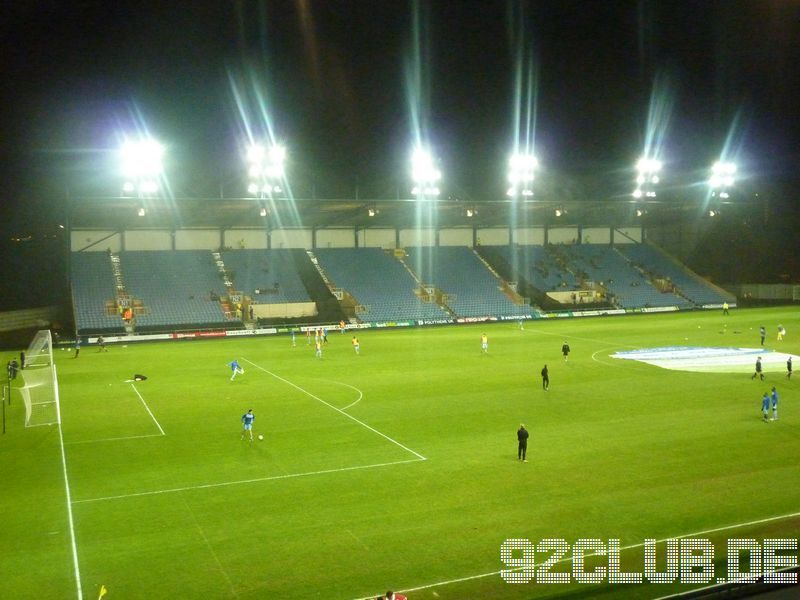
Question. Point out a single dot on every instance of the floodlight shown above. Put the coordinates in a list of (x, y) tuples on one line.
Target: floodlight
[(722, 174), (371, 212), (527, 192), (640, 179), (639, 212), (254, 171), (655, 179), (648, 165), (423, 170), (263, 212), (724, 195), (559, 212), (141, 212), (141, 158), (252, 188), (637, 193), (470, 212), (713, 213), (128, 187)]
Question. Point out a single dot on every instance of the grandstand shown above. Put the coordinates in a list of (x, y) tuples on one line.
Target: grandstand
[(381, 285), (468, 287), (94, 293), (176, 288), (627, 286), (267, 276), (692, 287)]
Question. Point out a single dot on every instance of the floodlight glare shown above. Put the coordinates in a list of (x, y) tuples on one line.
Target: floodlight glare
[(521, 169), (148, 187), (263, 212), (722, 174), (141, 212), (252, 188), (648, 165), (128, 187), (141, 158), (637, 193), (255, 154), (423, 170)]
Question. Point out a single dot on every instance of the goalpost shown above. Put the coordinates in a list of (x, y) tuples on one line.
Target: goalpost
[(40, 392)]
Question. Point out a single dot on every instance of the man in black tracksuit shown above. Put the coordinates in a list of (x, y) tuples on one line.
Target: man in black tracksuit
[(522, 439), (545, 379)]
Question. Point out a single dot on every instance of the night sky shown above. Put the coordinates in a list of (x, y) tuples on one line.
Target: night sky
[(333, 77)]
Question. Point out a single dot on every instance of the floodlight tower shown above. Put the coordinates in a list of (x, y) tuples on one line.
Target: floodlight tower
[(265, 170), (142, 167), (521, 169), (424, 175), (647, 177), (723, 176)]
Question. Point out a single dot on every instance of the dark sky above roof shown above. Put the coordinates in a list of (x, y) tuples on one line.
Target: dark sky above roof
[(333, 78)]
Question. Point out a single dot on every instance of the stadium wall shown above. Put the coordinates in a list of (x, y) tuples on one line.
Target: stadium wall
[(147, 239), (377, 238), (596, 235), (290, 238), (102, 240), (197, 239), (335, 238), (255, 239), (495, 236), (563, 235), (461, 236), (417, 237), (528, 236)]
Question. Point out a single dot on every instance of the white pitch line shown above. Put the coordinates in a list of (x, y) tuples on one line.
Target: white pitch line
[(339, 410), (68, 493), (115, 439), (147, 408), (630, 547), (243, 481)]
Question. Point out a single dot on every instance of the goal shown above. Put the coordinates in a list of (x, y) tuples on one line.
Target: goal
[(40, 392)]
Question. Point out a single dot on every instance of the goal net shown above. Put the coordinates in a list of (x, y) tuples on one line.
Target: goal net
[(40, 350), (40, 392)]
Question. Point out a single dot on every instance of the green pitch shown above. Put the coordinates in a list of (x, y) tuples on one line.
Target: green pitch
[(395, 469)]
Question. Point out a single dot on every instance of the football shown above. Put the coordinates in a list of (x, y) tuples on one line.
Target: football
[(261, 437)]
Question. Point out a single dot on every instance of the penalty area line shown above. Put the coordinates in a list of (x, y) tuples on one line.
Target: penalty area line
[(206, 486), (629, 547), (147, 408), (339, 410)]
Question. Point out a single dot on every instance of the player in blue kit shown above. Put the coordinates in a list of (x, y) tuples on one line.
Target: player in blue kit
[(247, 422), (774, 404), (235, 369), (765, 407)]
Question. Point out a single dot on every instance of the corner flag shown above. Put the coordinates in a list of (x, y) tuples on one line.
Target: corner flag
[(103, 592)]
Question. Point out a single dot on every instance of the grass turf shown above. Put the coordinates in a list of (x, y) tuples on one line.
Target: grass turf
[(339, 507)]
